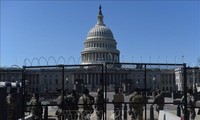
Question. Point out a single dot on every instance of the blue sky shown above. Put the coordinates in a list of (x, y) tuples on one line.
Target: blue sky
[(145, 31)]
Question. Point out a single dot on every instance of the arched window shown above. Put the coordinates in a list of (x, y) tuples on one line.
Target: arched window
[(163, 88), (170, 88)]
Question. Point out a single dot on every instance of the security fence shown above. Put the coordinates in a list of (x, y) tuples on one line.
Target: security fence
[(55, 83), (148, 78), (118, 82), (14, 110)]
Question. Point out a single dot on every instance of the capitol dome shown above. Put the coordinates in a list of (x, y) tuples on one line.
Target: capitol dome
[(102, 31), (100, 45)]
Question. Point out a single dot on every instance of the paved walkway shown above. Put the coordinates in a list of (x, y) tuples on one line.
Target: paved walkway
[(110, 114)]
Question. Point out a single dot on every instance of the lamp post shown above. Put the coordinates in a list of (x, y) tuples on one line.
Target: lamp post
[(154, 82), (26, 86), (75, 86), (194, 86), (67, 79), (137, 83), (81, 87), (193, 79), (128, 88)]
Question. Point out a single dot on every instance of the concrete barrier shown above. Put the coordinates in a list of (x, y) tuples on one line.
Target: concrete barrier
[(165, 115)]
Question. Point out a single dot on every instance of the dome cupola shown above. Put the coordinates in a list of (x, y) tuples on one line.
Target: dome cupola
[(100, 45)]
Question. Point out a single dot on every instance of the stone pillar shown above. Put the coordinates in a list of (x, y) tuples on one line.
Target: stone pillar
[(95, 56), (92, 56), (99, 56), (106, 57)]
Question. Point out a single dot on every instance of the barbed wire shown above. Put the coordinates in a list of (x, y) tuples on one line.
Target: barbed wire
[(63, 60)]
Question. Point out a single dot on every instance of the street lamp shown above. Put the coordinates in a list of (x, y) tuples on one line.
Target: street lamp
[(193, 79), (128, 88), (137, 82), (75, 86), (67, 79), (194, 86), (154, 82), (82, 87)]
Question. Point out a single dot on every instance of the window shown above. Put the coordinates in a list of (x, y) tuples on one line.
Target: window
[(56, 81), (166, 88), (163, 89)]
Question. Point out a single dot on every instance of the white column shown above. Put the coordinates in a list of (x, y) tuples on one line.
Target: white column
[(87, 56), (94, 56), (105, 57), (94, 79), (98, 55)]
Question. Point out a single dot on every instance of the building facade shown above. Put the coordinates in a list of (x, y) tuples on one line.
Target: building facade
[(193, 78), (100, 47)]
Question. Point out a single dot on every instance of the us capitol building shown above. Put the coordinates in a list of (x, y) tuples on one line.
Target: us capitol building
[(100, 47)]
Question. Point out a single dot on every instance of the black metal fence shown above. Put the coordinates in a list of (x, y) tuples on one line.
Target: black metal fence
[(16, 107), (54, 81), (148, 77)]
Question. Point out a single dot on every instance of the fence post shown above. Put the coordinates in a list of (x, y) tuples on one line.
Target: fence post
[(46, 113), (151, 113), (178, 111), (125, 111)]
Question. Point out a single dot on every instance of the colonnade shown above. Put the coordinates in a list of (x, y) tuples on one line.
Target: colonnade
[(109, 57)]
